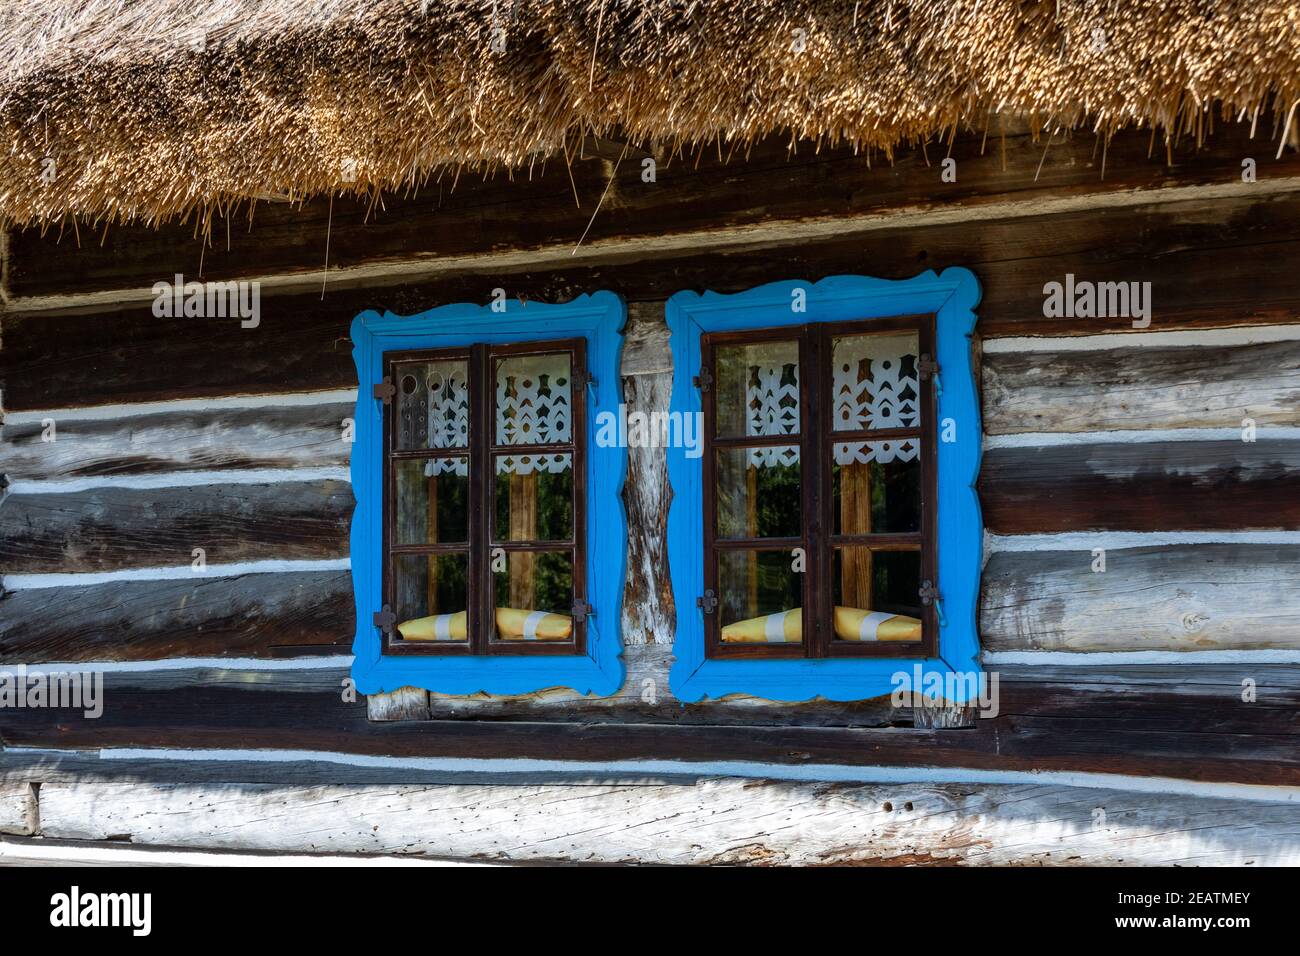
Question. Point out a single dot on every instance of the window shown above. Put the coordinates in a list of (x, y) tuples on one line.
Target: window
[(818, 521), (483, 508), (829, 535), (479, 497)]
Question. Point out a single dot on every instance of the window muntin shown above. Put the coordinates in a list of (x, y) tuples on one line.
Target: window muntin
[(855, 493), (484, 527)]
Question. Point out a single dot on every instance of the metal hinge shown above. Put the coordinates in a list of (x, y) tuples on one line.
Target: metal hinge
[(927, 368), (930, 595), (583, 378), (384, 391), (703, 381), (581, 611), (709, 602), (385, 619)]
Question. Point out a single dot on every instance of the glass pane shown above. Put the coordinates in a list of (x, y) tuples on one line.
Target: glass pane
[(431, 409), (758, 389), (760, 597), (534, 402), (432, 501), (874, 383), (874, 491), (534, 497), (758, 492), (534, 595), (875, 594), (430, 596)]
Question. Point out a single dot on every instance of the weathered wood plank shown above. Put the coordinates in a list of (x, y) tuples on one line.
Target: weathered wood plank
[(108, 528), (649, 609), (1174, 598), (1142, 486), (1041, 728), (251, 615), (55, 361), (720, 821), (289, 436), (18, 809), (1146, 386), (704, 192)]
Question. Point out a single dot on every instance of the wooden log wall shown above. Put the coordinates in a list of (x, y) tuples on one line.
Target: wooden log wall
[(176, 435)]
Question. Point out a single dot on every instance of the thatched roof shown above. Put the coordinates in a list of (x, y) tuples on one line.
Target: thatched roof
[(153, 108)]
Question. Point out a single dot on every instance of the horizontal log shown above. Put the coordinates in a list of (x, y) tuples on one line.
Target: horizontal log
[(1142, 486), (251, 615), (1039, 728), (768, 184), (63, 360), (109, 528), (219, 439), (722, 821), (1174, 598), (1143, 386), (18, 813)]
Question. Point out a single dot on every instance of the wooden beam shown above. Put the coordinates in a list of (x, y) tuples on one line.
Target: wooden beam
[(1147, 385), (113, 528), (252, 615), (192, 439), (1142, 486), (1173, 598), (723, 821), (18, 809), (698, 201), (1119, 727)]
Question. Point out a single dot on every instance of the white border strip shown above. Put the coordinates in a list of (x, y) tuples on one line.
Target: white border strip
[(831, 773), (179, 405), (15, 852), (1263, 433), (1117, 540), (1236, 335), (1110, 658), (178, 479), (333, 662), (19, 582)]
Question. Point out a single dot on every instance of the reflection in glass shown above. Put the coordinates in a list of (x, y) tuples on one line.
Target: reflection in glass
[(429, 596), (432, 501), (874, 497), (758, 389), (534, 497), (758, 492), (752, 587)]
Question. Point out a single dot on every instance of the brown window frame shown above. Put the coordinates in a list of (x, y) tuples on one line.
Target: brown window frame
[(816, 438), (481, 451)]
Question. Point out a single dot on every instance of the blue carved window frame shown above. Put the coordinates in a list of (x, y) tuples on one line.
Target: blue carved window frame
[(598, 319), (951, 297)]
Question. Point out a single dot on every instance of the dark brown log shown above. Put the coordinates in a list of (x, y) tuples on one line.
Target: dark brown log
[(288, 436), (250, 615), (1040, 728), (1142, 486), (766, 185), (1184, 597), (110, 528), (55, 361), (1152, 386)]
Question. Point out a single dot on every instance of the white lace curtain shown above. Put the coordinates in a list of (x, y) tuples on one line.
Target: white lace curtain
[(534, 403), (874, 386)]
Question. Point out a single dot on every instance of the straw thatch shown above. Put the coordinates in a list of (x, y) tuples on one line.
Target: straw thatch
[(155, 108)]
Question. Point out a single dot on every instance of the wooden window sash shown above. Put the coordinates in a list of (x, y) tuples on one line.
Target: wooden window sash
[(481, 451), (816, 438)]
